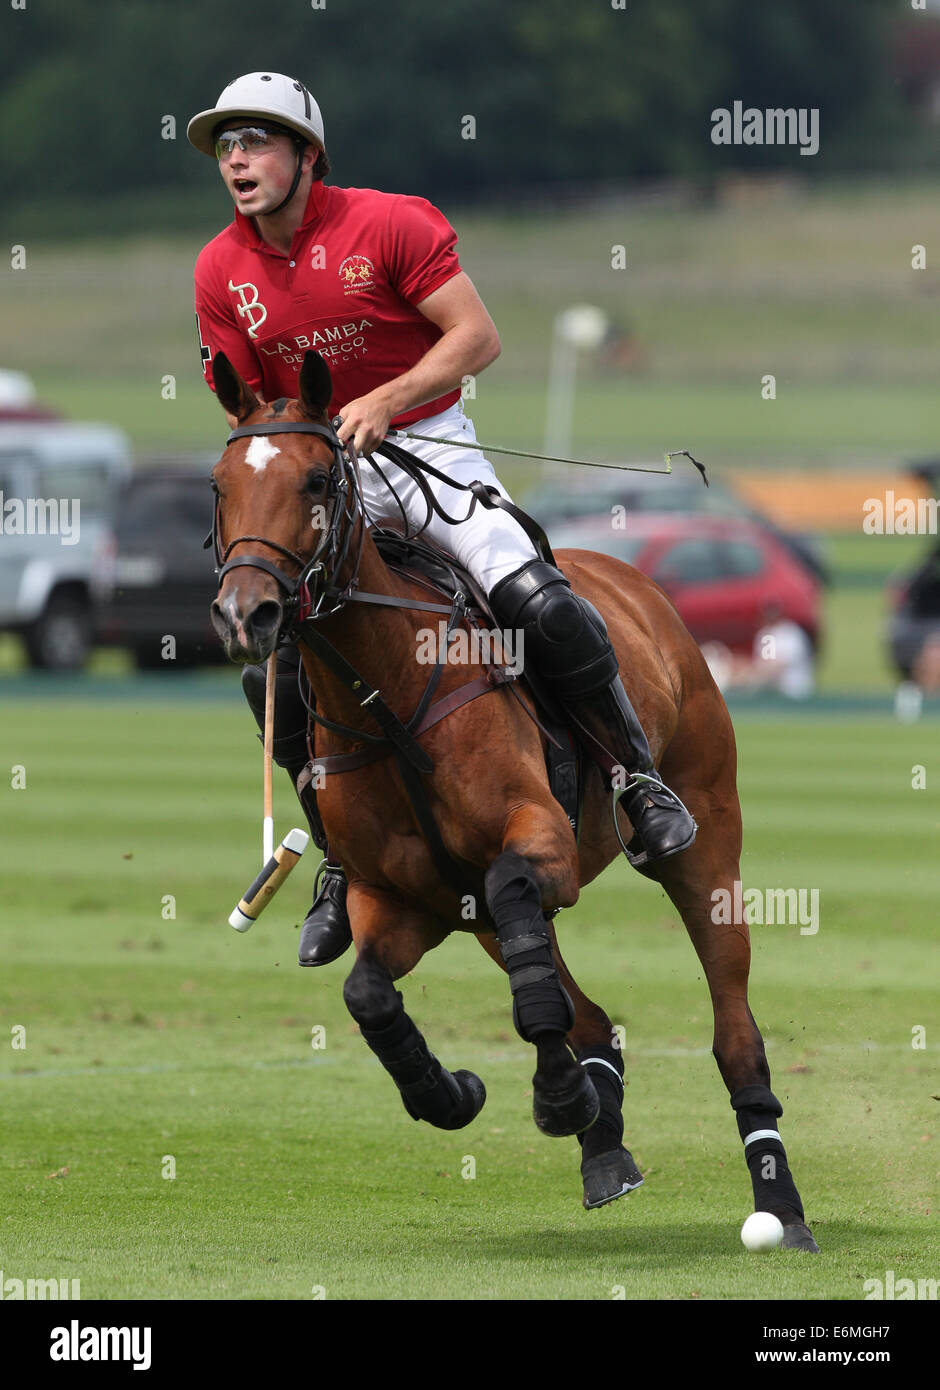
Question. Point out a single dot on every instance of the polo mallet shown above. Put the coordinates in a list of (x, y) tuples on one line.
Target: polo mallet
[(279, 862)]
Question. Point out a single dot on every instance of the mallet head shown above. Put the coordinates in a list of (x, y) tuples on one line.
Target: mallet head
[(269, 880)]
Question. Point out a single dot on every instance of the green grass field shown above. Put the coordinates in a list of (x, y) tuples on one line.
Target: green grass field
[(150, 1037), (156, 1039)]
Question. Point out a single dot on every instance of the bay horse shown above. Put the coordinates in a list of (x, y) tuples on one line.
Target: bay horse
[(286, 494)]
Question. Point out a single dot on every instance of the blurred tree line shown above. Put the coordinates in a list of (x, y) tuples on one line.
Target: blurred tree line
[(561, 91)]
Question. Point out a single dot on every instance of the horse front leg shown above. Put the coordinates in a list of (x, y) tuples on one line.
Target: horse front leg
[(724, 949), (564, 1098), (608, 1170), (389, 943)]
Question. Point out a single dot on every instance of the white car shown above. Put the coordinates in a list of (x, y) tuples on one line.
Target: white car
[(58, 485)]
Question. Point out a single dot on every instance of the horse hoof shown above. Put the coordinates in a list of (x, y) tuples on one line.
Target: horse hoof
[(458, 1098), (473, 1097), (558, 1113), (797, 1236), (609, 1176)]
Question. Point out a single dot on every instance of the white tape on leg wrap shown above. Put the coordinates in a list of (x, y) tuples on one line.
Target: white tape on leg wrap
[(761, 1134), (604, 1063)]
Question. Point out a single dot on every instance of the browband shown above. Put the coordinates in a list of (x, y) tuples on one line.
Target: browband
[(286, 427)]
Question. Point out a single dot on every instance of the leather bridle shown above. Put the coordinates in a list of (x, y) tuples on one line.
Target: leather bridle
[(311, 590)]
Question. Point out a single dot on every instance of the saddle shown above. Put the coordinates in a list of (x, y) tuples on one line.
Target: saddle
[(425, 563)]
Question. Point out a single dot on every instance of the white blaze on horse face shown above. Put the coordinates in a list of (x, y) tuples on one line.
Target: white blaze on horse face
[(260, 452)]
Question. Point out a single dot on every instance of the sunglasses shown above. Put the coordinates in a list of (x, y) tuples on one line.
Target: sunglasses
[(252, 139)]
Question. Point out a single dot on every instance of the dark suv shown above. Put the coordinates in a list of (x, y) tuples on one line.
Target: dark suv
[(160, 578)]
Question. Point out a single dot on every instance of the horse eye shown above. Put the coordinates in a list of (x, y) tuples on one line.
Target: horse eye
[(214, 485), (316, 483)]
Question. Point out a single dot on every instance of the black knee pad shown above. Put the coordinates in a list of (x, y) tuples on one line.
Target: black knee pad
[(559, 618), (539, 1003), (564, 634)]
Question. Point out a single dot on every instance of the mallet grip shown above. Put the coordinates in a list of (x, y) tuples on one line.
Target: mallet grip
[(269, 880)]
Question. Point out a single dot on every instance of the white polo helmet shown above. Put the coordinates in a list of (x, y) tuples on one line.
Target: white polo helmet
[(270, 95)]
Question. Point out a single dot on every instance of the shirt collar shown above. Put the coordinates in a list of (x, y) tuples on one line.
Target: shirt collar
[(316, 203)]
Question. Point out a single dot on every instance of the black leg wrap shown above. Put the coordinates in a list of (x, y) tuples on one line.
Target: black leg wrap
[(428, 1090), (604, 1065), (758, 1109), (608, 1169), (539, 1003), (772, 1181)]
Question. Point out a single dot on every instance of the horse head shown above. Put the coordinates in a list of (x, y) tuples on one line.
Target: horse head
[(277, 489)]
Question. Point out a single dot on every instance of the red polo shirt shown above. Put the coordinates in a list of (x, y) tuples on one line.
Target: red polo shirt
[(359, 263)]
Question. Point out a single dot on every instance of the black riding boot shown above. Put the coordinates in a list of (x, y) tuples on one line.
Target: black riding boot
[(566, 640), (325, 934)]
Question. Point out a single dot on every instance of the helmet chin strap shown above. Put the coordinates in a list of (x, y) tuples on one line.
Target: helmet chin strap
[(293, 188)]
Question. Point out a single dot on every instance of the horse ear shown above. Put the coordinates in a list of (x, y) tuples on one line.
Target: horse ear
[(316, 384), (235, 395)]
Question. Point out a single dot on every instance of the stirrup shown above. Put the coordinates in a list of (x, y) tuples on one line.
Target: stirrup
[(325, 867), (637, 858)]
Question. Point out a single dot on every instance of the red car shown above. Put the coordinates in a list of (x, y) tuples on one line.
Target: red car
[(724, 575)]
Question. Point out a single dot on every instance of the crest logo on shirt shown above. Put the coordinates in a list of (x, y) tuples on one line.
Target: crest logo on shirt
[(249, 307), (357, 273)]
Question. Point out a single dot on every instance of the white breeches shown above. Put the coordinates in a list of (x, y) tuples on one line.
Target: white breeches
[(490, 543)]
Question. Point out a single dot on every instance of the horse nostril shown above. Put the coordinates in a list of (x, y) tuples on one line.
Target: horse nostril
[(219, 620), (264, 620)]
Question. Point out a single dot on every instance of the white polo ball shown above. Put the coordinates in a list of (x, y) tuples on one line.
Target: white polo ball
[(762, 1231)]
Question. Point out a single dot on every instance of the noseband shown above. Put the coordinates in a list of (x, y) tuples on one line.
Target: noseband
[(344, 489)]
